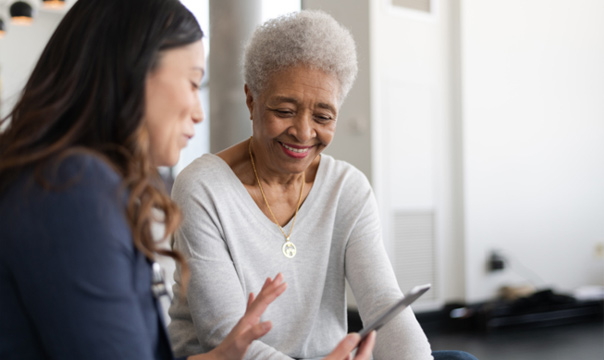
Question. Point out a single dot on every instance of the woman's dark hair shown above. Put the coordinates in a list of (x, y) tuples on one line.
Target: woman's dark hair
[(87, 93)]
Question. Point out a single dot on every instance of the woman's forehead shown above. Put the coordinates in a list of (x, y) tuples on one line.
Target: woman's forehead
[(296, 83)]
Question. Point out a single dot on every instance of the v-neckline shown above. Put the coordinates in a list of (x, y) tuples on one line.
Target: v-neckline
[(257, 211)]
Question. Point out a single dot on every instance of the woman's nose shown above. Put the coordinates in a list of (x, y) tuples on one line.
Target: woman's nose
[(197, 115), (302, 128)]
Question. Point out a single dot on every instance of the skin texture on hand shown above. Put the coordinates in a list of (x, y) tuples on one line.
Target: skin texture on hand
[(249, 328)]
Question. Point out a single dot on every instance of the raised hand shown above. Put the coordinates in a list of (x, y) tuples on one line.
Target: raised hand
[(249, 327)]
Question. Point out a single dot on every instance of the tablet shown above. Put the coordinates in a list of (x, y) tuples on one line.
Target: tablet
[(395, 309)]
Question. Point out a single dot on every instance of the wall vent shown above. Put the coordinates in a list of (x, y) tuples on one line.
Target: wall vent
[(418, 5), (413, 251)]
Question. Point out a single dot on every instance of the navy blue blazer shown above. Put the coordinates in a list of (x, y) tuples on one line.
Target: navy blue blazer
[(72, 284)]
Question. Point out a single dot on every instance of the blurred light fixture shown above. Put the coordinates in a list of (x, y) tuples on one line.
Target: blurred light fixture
[(53, 4), (2, 29), (21, 13)]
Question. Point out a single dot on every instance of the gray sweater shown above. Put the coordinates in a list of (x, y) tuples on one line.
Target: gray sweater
[(232, 247)]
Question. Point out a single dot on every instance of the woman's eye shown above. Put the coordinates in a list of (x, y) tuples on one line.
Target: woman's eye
[(195, 85), (284, 113), (323, 118)]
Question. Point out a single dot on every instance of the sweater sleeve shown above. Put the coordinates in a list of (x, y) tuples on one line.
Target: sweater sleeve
[(374, 285), (215, 299), (76, 271)]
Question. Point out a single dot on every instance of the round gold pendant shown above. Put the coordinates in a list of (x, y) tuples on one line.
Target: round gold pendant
[(289, 249)]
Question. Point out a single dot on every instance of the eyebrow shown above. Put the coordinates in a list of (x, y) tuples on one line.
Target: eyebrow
[(286, 99), (327, 107)]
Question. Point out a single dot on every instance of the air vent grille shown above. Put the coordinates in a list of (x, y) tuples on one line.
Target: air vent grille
[(413, 251), (419, 5)]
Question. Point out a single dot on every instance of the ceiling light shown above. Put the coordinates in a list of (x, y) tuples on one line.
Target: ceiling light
[(21, 13), (53, 4)]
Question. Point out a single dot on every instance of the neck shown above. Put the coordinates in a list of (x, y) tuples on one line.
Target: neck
[(264, 197), (270, 177)]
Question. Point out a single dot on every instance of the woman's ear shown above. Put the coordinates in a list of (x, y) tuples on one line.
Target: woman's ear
[(249, 100)]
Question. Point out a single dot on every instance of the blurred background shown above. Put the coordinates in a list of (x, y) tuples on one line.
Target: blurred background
[(480, 124)]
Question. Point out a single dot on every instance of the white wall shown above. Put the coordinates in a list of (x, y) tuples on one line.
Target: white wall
[(19, 51), (533, 104), (413, 152)]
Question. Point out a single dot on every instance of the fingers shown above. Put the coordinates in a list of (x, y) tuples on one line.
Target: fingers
[(345, 347), (366, 347), (270, 291), (249, 327), (255, 332), (267, 283), (250, 300)]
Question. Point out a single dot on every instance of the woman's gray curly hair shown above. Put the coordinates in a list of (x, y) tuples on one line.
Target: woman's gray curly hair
[(310, 38)]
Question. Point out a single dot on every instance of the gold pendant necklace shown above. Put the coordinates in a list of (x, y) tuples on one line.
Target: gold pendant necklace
[(289, 249)]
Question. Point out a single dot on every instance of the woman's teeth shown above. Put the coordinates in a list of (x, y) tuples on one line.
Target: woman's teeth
[(294, 149)]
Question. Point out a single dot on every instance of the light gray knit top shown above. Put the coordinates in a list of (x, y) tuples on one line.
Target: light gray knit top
[(232, 247)]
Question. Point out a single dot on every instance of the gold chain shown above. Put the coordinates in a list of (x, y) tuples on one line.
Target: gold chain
[(266, 201)]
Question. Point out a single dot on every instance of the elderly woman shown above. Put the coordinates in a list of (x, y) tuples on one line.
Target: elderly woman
[(78, 188), (274, 202)]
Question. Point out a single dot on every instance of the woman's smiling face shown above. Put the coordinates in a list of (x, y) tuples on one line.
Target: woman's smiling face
[(294, 118), (172, 105)]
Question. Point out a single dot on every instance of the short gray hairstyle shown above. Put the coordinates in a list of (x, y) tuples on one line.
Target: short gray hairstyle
[(310, 38)]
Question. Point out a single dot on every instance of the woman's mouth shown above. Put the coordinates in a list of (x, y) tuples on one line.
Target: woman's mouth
[(185, 139), (295, 151)]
